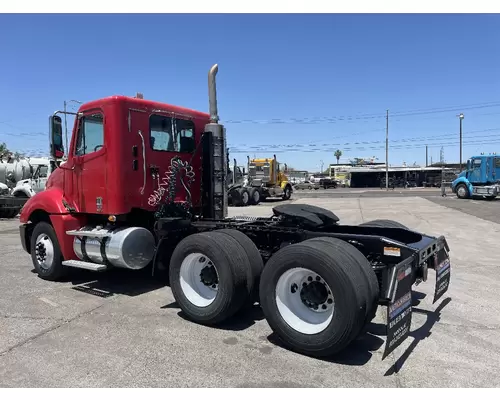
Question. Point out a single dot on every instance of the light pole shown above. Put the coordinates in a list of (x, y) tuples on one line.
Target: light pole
[(461, 117), (387, 151), (66, 121)]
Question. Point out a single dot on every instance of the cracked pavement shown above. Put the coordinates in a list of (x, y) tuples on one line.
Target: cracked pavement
[(122, 328)]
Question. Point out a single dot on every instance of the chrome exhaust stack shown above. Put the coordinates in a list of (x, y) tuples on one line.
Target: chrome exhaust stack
[(218, 154)]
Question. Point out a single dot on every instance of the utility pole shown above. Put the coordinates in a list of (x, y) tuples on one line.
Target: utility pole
[(426, 155), (321, 162), (461, 117), (387, 151)]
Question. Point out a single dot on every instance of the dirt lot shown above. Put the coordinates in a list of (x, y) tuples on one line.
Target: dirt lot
[(124, 329)]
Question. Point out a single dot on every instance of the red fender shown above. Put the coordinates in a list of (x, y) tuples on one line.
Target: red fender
[(51, 202)]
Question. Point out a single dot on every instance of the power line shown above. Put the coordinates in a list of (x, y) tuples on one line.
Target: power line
[(365, 148), (404, 140), (335, 119), (330, 119)]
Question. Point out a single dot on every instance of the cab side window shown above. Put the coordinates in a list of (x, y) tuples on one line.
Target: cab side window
[(90, 134), (171, 134), (185, 132), (41, 172), (161, 133), (476, 163)]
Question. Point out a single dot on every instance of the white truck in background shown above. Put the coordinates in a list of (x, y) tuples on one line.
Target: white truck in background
[(30, 186), (20, 180)]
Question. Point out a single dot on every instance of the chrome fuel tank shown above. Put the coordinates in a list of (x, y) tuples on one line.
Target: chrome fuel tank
[(131, 248)]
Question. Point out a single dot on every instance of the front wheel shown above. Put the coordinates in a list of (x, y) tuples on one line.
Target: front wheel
[(287, 193), (462, 191), (46, 253)]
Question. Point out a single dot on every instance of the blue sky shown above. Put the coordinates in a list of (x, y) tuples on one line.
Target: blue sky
[(324, 68)]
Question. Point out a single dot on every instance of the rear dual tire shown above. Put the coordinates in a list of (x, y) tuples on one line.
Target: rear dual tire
[(255, 196), (213, 274), (240, 197), (317, 295), (323, 319)]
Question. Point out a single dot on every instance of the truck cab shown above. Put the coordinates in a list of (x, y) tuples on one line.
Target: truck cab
[(265, 174), (481, 178), (128, 158)]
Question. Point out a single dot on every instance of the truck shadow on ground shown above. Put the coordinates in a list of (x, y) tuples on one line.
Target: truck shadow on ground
[(109, 283), (360, 351), (419, 334), (357, 353)]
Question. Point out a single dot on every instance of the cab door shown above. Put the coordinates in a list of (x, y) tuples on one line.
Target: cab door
[(40, 178), (475, 175), (90, 163)]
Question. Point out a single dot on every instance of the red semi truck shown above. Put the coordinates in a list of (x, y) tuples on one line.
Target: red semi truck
[(144, 185)]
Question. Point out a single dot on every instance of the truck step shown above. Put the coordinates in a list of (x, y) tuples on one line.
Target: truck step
[(85, 265), (97, 233)]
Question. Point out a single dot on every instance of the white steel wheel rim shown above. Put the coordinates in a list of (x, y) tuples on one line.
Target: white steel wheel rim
[(44, 251), (256, 196), (244, 197), (197, 292), (461, 191), (292, 308)]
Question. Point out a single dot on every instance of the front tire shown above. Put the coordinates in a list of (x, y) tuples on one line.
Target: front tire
[(462, 191), (287, 193), (46, 253)]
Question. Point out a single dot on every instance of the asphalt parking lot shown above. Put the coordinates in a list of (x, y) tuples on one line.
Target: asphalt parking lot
[(123, 329)]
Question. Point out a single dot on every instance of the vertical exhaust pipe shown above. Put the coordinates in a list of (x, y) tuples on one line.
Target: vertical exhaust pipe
[(275, 169), (212, 94), (217, 159), (234, 171)]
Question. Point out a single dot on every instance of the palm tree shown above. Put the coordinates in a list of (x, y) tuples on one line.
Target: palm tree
[(337, 155)]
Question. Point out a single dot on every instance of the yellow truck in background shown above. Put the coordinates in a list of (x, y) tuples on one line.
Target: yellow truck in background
[(265, 179)]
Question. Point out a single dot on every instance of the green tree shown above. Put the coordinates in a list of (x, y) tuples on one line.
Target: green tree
[(337, 155), (3, 150)]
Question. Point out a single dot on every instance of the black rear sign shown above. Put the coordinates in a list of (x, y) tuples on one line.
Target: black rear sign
[(443, 274), (399, 311)]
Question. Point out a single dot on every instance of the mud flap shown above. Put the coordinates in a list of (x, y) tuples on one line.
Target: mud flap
[(399, 311), (443, 274)]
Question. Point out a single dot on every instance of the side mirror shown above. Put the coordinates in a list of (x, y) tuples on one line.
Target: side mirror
[(55, 136)]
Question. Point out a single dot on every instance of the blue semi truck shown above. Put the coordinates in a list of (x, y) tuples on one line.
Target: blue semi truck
[(481, 178)]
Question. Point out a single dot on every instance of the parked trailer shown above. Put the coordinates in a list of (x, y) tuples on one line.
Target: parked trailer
[(318, 282)]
